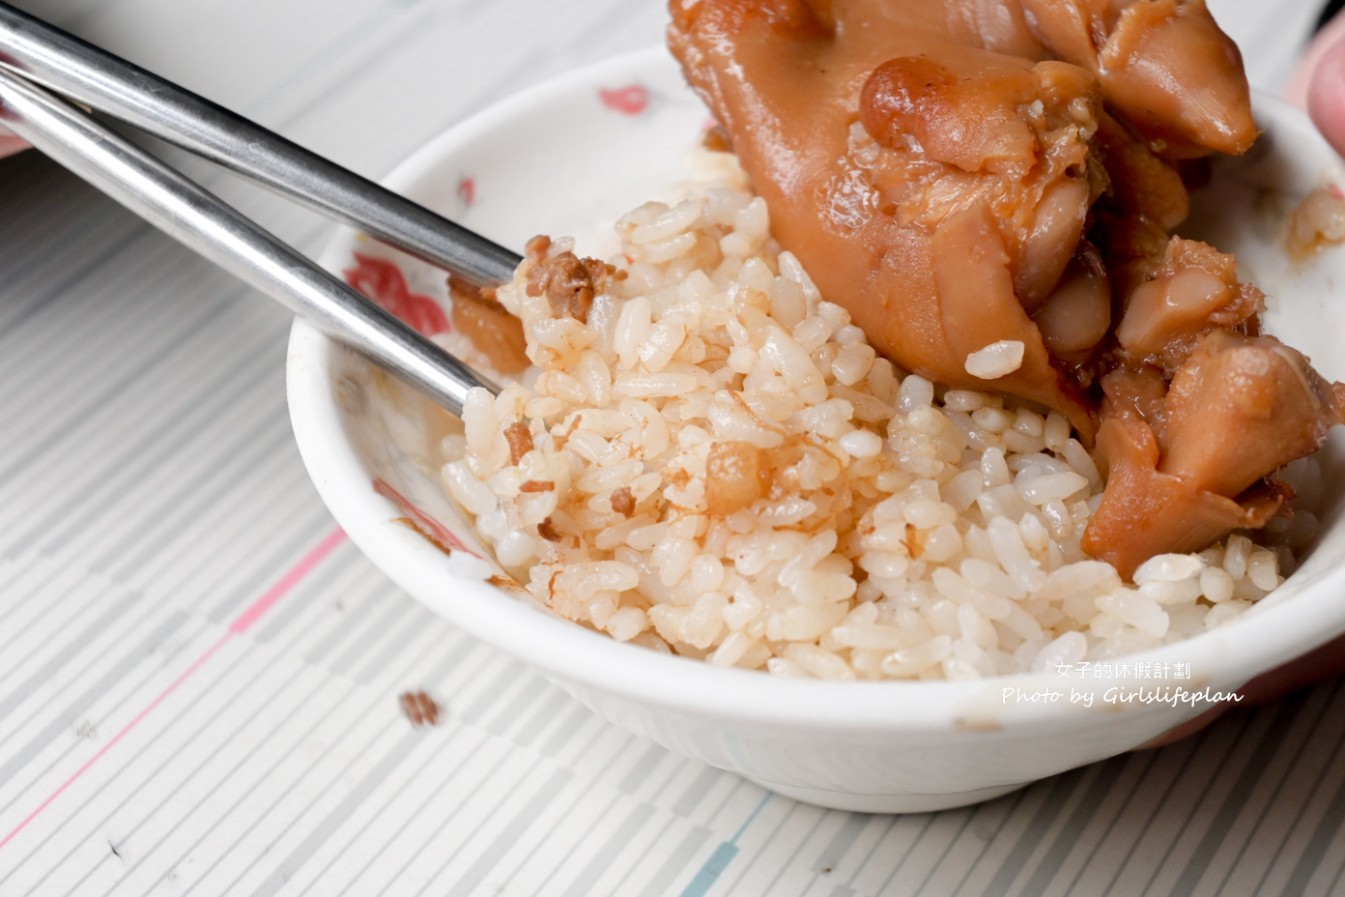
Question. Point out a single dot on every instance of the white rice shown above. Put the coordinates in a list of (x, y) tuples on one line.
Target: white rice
[(996, 360), (890, 533)]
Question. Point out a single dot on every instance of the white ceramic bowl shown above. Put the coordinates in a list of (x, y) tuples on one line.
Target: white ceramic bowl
[(566, 157)]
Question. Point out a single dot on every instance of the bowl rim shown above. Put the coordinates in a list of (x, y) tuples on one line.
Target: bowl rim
[(1227, 656)]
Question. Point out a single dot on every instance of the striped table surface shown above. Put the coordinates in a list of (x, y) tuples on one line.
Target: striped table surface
[(200, 676)]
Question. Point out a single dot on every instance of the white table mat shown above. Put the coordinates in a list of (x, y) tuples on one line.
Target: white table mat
[(200, 677)]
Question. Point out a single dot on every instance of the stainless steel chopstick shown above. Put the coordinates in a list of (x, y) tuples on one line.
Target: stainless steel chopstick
[(90, 75), (184, 210)]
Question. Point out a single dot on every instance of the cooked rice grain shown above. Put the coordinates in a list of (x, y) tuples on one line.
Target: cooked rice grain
[(739, 477)]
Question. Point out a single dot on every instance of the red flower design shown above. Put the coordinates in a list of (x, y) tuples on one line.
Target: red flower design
[(384, 283), (467, 191), (432, 529), (629, 100)]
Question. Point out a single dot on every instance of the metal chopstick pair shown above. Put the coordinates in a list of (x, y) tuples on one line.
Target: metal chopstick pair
[(37, 59)]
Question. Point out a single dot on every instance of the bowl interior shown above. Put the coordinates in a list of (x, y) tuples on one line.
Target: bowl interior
[(567, 158)]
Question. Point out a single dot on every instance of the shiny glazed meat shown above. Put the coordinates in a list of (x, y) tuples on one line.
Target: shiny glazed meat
[(958, 173)]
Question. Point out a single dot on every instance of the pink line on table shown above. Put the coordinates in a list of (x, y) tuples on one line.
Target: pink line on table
[(135, 721), (292, 577), (241, 624)]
